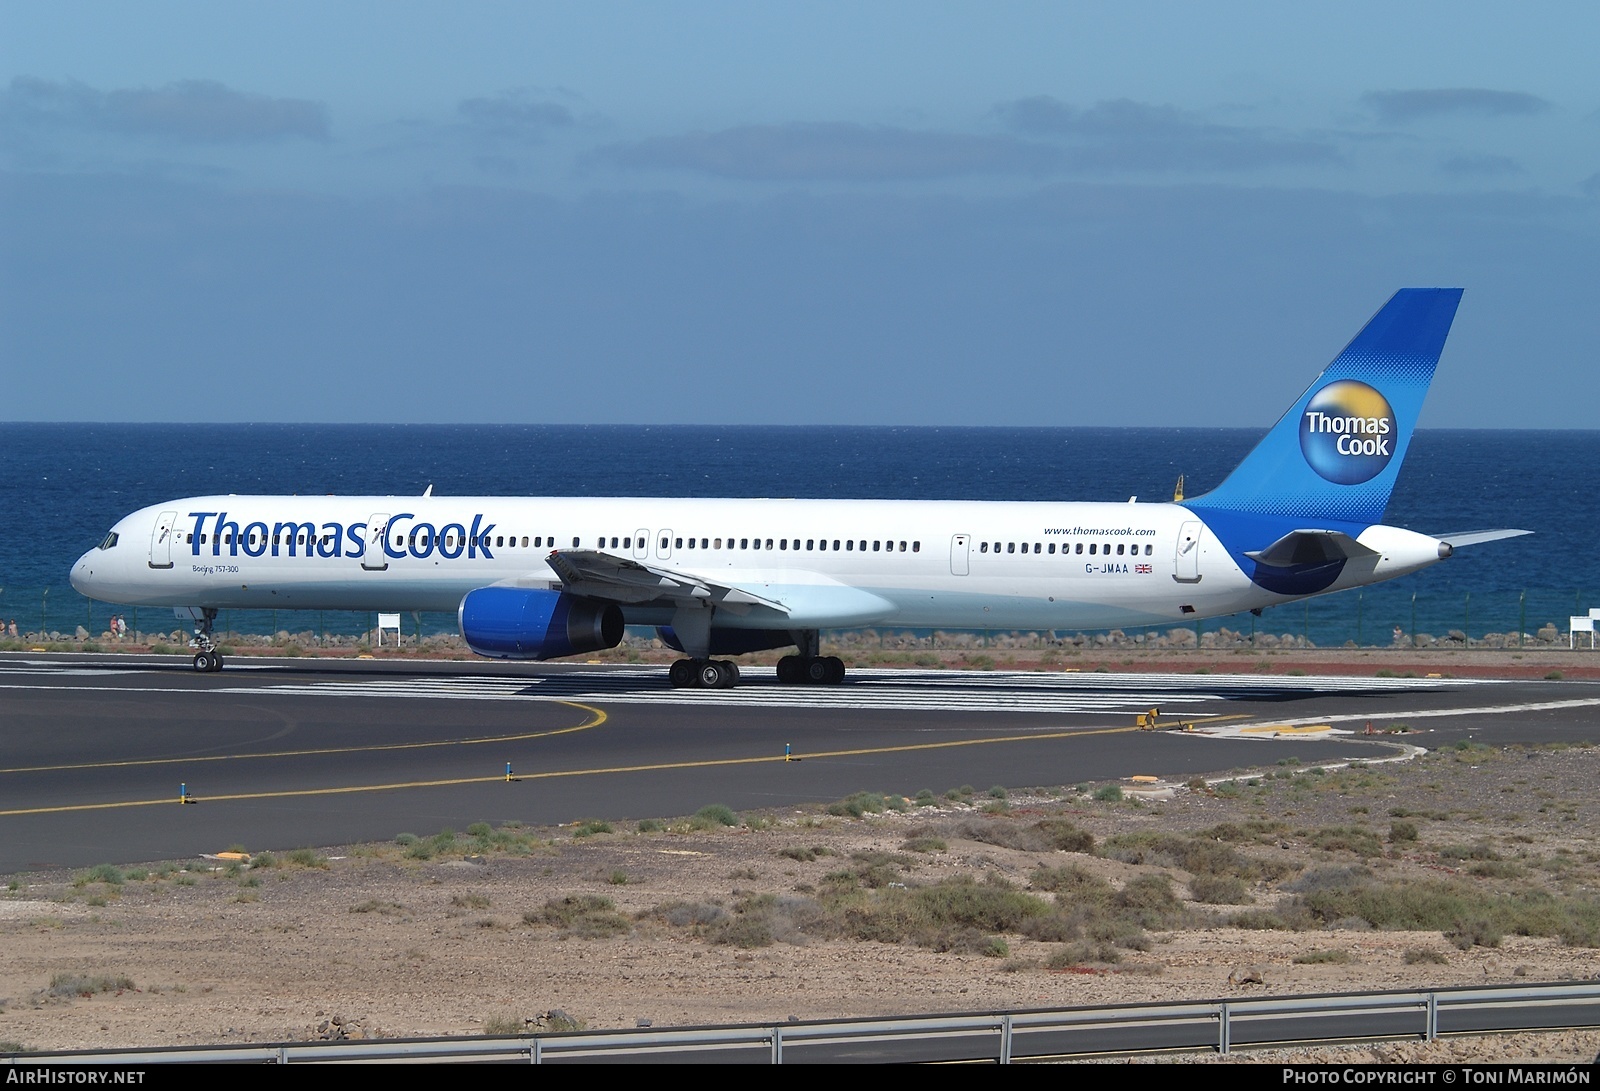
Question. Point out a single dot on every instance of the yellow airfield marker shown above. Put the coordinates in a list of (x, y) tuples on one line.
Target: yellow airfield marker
[(1286, 729)]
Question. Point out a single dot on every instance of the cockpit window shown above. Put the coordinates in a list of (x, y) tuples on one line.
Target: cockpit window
[(111, 540)]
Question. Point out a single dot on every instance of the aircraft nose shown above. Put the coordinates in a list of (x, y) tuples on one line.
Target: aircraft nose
[(82, 576)]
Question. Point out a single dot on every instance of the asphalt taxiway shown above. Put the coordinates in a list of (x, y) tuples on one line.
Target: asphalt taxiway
[(276, 754)]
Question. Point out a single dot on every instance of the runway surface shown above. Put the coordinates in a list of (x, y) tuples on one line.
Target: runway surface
[(284, 753)]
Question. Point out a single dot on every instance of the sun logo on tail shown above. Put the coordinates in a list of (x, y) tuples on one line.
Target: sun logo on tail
[(1348, 433)]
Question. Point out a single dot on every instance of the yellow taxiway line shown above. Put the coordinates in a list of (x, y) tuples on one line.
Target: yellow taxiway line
[(596, 718), (611, 770)]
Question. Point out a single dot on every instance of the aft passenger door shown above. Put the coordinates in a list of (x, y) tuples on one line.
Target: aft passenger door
[(161, 540), (1187, 562)]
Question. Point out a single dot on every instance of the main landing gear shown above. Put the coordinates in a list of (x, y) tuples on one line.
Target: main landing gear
[(703, 674), (812, 670), (793, 670), (206, 658)]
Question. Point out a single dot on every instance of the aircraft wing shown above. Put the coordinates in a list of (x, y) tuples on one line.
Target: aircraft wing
[(597, 575)]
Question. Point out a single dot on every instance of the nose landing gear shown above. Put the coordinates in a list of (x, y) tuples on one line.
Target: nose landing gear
[(206, 659)]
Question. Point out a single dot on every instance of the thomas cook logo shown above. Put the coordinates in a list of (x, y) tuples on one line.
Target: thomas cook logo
[(1347, 433)]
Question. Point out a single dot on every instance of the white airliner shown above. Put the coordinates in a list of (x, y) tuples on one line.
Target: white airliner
[(541, 578)]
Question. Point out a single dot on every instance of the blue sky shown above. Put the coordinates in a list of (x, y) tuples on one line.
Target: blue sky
[(1156, 214)]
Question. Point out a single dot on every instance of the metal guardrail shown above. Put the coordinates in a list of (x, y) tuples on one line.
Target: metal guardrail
[(1214, 1026)]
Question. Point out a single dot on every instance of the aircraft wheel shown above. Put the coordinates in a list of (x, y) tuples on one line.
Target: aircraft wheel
[(733, 673), (817, 671), (835, 670), (216, 662), (712, 674), (681, 673), (789, 670), (202, 662)]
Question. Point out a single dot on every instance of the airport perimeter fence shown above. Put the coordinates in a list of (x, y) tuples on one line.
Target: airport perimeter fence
[(1152, 1029), (1369, 617)]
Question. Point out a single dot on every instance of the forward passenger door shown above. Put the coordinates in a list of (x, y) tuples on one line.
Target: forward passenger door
[(375, 559), (161, 540)]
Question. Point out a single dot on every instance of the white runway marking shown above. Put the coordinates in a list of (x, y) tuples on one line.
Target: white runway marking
[(1185, 695)]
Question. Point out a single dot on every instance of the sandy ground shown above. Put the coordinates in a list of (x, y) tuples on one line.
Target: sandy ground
[(405, 939)]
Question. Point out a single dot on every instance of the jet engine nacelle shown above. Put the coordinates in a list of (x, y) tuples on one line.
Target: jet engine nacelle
[(524, 623)]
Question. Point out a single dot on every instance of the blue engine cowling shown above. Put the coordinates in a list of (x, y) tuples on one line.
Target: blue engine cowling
[(523, 623)]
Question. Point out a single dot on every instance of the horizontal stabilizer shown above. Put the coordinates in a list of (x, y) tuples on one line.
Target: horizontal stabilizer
[(1477, 537), (1310, 547)]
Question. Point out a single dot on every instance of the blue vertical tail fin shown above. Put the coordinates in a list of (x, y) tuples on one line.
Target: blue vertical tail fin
[(1335, 454)]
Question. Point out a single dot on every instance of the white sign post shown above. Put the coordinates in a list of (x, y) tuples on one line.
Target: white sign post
[(389, 621)]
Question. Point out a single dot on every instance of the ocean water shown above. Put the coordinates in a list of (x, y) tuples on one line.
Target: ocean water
[(65, 484)]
